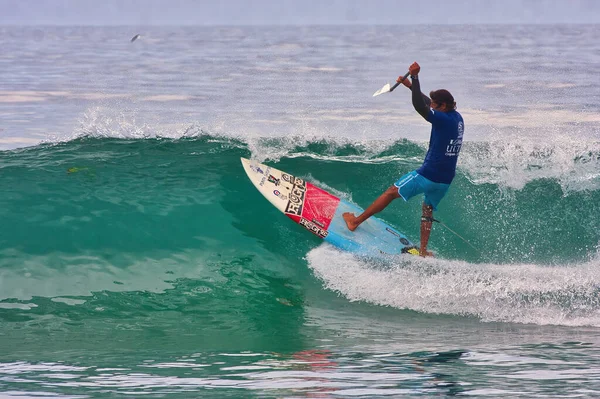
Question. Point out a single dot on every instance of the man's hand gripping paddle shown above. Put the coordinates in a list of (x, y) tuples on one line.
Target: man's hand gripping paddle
[(387, 88)]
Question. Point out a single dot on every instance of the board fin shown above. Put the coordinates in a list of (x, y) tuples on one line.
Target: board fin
[(410, 250)]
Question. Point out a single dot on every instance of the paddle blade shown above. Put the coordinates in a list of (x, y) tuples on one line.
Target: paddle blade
[(384, 89)]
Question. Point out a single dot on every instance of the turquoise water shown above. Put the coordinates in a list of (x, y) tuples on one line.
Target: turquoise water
[(154, 266), (136, 258)]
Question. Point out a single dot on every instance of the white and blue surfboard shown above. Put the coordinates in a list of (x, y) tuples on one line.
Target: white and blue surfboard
[(320, 212)]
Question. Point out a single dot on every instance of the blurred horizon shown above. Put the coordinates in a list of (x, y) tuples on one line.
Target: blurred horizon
[(291, 12)]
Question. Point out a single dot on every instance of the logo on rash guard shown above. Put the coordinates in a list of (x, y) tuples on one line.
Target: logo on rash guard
[(453, 147)]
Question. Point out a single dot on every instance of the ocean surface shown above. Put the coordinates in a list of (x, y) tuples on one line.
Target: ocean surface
[(137, 259)]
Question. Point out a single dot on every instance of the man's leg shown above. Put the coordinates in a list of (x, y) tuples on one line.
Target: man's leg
[(377, 206), (426, 221)]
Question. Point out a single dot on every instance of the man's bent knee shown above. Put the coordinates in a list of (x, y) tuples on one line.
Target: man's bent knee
[(427, 210), (392, 191)]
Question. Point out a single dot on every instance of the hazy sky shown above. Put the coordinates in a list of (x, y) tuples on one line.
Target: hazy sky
[(294, 12)]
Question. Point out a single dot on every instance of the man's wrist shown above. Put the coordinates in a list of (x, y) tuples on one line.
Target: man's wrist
[(413, 77)]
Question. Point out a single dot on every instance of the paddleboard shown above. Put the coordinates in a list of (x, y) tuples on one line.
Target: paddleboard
[(320, 212)]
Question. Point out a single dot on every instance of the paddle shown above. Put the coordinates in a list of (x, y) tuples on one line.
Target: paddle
[(387, 88)]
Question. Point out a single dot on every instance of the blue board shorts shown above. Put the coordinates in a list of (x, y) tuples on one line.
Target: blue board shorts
[(413, 183)]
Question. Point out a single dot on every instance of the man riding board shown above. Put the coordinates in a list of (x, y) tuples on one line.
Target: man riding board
[(433, 178)]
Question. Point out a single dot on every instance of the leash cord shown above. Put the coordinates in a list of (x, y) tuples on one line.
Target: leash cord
[(456, 234)]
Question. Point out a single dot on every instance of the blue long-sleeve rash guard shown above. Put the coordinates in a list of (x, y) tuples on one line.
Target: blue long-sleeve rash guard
[(445, 142)]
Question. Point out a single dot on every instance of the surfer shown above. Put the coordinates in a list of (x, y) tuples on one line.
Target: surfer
[(433, 178)]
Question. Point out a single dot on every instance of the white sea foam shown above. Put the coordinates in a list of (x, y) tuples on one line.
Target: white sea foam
[(512, 161), (509, 158), (522, 293)]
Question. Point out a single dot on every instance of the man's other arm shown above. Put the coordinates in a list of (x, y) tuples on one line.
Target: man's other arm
[(420, 101)]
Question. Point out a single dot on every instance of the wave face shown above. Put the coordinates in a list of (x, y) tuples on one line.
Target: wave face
[(130, 227)]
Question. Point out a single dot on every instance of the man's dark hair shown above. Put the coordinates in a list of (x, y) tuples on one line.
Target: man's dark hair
[(443, 96)]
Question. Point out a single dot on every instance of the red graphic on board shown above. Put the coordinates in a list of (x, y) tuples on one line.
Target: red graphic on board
[(319, 206), (310, 206)]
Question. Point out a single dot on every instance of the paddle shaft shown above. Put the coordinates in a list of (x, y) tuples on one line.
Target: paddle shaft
[(398, 83)]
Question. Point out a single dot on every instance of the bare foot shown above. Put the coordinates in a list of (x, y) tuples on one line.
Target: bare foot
[(350, 221), (427, 254)]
